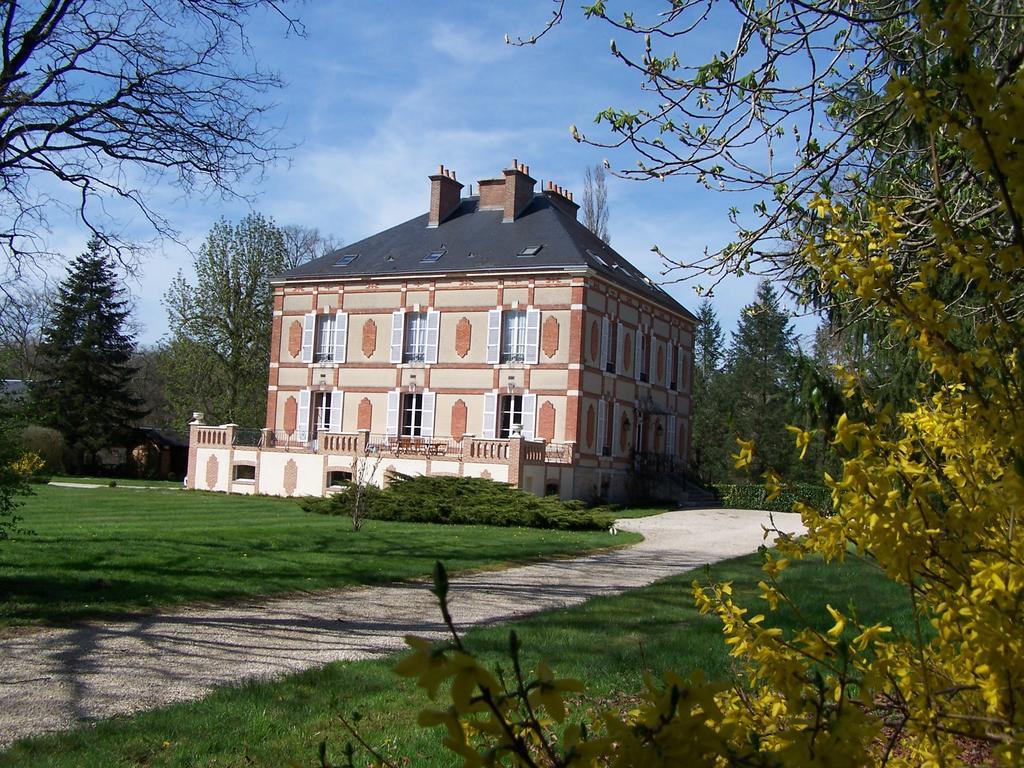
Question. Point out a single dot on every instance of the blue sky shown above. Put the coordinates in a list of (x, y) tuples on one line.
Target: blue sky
[(374, 101)]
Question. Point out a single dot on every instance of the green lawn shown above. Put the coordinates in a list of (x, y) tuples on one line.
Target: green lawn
[(608, 641), (103, 552)]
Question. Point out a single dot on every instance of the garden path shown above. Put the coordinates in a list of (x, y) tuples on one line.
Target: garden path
[(62, 678)]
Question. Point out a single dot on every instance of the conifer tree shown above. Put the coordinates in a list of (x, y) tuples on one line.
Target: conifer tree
[(83, 385), (760, 363), (712, 440)]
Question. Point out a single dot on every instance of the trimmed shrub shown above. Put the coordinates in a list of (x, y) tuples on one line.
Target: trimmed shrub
[(463, 501), (756, 497)]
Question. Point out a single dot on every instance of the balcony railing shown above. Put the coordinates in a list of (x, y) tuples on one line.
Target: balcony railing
[(363, 443)]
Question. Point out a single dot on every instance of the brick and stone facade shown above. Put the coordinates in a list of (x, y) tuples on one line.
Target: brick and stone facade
[(490, 338)]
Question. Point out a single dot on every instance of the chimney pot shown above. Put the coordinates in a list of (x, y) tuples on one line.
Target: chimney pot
[(445, 196), (518, 190)]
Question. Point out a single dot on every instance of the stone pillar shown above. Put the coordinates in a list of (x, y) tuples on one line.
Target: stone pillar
[(193, 448), (515, 461)]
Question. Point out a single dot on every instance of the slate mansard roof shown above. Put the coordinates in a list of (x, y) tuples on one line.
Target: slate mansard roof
[(473, 240)]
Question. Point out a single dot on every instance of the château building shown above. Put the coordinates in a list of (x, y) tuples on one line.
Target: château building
[(493, 336)]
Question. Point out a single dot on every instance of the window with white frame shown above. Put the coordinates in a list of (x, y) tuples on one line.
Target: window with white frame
[(412, 415), (511, 415), (415, 337), (324, 337), (323, 403), (513, 336), (645, 357), (612, 347), (325, 328)]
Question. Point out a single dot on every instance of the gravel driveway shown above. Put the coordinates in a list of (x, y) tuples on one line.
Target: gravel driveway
[(59, 679)]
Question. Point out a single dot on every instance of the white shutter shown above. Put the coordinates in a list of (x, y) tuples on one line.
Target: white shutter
[(529, 415), (397, 332), (670, 443), (618, 347), (602, 424), (490, 414), (532, 336), (308, 334), (493, 338), (616, 424), (606, 330), (427, 423), (337, 404), (637, 354), (340, 337), (668, 365), (433, 335), (302, 418), (392, 424)]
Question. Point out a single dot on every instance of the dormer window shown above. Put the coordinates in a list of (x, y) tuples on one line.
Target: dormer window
[(433, 256), (347, 259), (530, 250)]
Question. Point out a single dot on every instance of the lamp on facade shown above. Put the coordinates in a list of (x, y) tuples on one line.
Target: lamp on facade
[(322, 384), (412, 382)]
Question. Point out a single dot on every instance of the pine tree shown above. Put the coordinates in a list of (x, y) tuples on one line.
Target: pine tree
[(83, 385), (712, 441), (760, 371)]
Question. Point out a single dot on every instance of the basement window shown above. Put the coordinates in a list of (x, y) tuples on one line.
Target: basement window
[(433, 256), (338, 478), (347, 259), (245, 473), (530, 250)]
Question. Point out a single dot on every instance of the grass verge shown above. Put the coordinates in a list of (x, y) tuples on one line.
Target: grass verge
[(105, 552), (609, 642)]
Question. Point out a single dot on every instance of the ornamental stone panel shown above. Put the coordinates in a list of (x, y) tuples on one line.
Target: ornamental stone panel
[(595, 340), (627, 352), (212, 470), (369, 338), (458, 419), (546, 421), (463, 338), (291, 477), (660, 367), (295, 338), (549, 336), (590, 425), (291, 414), (364, 419)]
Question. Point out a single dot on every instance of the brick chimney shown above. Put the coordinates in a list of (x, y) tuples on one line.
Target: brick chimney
[(561, 199), (518, 190), (445, 195)]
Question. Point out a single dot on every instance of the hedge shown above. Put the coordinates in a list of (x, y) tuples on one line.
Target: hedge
[(463, 501), (756, 497)]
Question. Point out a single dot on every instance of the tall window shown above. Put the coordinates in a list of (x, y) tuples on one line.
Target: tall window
[(415, 337), (325, 327), (321, 413), (513, 337), (511, 414), (609, 431), (613, 331), (645, 357), (412, 415), (639, 434)]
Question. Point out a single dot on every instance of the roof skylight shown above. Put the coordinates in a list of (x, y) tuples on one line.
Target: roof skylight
[(433, 256), (599, 260), (347, 259), (531, 250)]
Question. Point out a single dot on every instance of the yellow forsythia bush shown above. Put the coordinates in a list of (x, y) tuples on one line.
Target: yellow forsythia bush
[(933, 495)]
